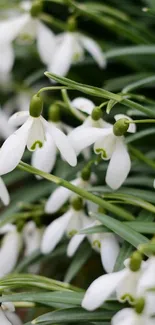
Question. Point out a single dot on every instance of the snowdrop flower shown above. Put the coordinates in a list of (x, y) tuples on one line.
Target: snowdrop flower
[(124, 283), (45, 158), (129, 316), (4, 195), (106, 244), (7, 315), (9, 252), (25, 24), (32, 236), (70, 47), (32, 134), (110, 146), (69, 223)]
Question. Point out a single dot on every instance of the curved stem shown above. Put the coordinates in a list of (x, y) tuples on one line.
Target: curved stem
[(51, 88), (141, 121), (73, 110), (120, 212)]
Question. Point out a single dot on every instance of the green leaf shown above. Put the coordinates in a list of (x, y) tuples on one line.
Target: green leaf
[(121, 229), (81, 257), (74, 315), (124, 253)]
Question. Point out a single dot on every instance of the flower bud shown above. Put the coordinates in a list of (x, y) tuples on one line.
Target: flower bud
[(77, 203), (72, 24), (36, 9), (36, 106), (120, 127), (86, 173), (139, 305), (54, 113), (135, 261), (96, 114)]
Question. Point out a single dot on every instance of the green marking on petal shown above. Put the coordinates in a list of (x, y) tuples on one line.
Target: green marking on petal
[(96, 243), (127, 298), (72, 233), (102, 152), (37, 144)]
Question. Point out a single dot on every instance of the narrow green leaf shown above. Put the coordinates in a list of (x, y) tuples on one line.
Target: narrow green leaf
[(125, 252), (121, 229)]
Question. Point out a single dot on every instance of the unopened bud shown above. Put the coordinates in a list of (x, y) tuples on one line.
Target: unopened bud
[(139, 305), (121, 127), (86, 173), (77, 203), (36, 106), (72, 24), (135, 261), (96, 114), (54, 113), (36, 9)]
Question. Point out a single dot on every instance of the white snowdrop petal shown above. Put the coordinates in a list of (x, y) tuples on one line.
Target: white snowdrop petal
[(8, 306), (3, 318), (101, 289), (62, 58), (82, 138), (18, 118), (119, 165), (13, 148), (44, 158), (46, 43), (7, 228), (59, 197), (6, 58), (10, 28), (105, 146), (83, 104), (63, 144), (132, 126), (5, 128), (74, 244), (36, 136), (13, 318), (123, 315), (9, 252), (4, 194), (109, 251), (54, 232), (94, 50), (128, 286)]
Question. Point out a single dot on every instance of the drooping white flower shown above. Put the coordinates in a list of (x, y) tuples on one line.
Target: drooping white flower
[(4, 194), (9, 252), (69, 223), (106, 244), (128, 316), (124, 283), (70, 47), (109, 146), (61, 195), (24, 25), (32, 134), (7, 314), (32, 236)]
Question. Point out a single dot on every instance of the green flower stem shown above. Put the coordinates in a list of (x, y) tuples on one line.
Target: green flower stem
[(120, 212), (51, 88), (141, 157), (131, 104), (72, 109), (53, 21)]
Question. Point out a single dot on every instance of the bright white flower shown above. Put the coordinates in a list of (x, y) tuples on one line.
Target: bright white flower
[(32, 133), (4, 194), (69, 223), (108, 146), (7, 228), (25, 26), (32, 239), (7, 315), (124, 283), (128, 316), (106, 244), (61, 195), (70, 47), (9, 252)]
